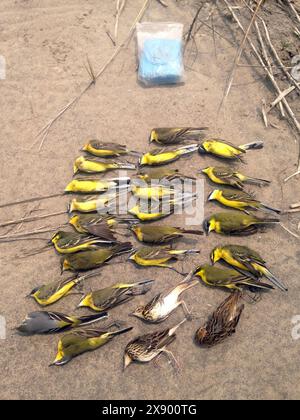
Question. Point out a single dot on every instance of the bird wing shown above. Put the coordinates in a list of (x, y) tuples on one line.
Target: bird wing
[(223, 173), (109, 297), (154, 341), (247, 258), (73, 239), (102, 231), (153, 253), (59, 317), (99, 145), (156, 152), (231, 194), (232, 145), (152, 303), (51, 288)]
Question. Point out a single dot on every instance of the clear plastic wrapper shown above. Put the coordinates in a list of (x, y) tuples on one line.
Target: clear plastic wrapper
[(160, 51)]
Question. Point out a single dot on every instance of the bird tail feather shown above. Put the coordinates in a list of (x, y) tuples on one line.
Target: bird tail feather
[(259, 285), (253, 146), (90, 319), (191, 148), (120, 331), (266, 207), (141, 288), (270, 276), (193, 232), (172, 330), (258, 181)]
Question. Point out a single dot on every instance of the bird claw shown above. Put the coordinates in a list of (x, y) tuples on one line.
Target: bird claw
[(192, 316)]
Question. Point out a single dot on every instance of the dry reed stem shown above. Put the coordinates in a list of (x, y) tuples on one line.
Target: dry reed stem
[(31, 219), (45, 130), (239, 53)]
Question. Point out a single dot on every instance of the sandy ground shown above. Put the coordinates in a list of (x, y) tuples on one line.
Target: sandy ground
[(45, 44)]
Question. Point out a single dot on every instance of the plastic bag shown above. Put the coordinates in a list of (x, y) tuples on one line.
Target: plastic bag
[(160, 50)]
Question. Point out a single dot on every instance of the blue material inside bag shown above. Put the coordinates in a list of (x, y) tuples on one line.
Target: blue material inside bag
[(161, 61)]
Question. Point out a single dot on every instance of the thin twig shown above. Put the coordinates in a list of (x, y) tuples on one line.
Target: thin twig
[(295, 206), (293, 9), (119, 7), (45, 130), (239, 52), (25, 234), (30, 200), (190, 31), (287, 74), (292, 176), (279, 98), (289, 231), (291, 211), (32, 219), (268, 63), (271, 77), (162, 3)]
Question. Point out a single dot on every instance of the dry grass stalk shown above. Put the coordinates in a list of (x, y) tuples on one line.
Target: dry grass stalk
[(293, 9), (289, 231), (30, 200), (266, 57), (280, 63), (293, 175), (295, 206), (45, 130), (24, 235), (239, 52), (162, 3), (279, 98), (31, 219), (270, 75), (119, 10)]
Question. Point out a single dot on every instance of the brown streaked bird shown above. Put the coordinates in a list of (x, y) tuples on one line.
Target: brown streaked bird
[(175, 135), (147, 347), (87, 260), (162, 306), (82, 340), (107, 150), (157, 234), (222, 323), (117, 294)]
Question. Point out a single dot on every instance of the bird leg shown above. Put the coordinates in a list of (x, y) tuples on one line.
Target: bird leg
[(188, 314), (172, 360), (252, 300)]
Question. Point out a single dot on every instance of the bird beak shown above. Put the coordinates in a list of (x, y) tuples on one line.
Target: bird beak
[(201, 150), (127, 361), (211, 196), (206, 227)]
